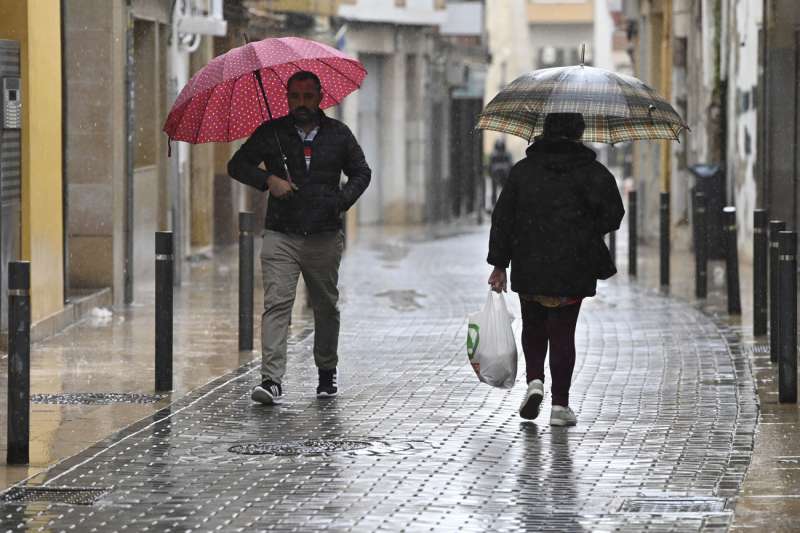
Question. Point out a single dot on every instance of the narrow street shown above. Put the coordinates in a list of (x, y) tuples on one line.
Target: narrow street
[(666, 420)]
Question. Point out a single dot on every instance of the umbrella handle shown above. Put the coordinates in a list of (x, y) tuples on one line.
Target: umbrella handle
[(283, 158)]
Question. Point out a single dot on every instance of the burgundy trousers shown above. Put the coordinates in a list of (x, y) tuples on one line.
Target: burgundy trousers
[(554, 326)]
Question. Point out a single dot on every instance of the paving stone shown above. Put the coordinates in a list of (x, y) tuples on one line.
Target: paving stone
[(666, 411)]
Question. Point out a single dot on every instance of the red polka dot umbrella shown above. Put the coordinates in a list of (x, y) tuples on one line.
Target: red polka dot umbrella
[(246, 86)]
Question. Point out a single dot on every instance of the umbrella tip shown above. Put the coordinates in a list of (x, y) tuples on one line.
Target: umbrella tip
[(583, 53)]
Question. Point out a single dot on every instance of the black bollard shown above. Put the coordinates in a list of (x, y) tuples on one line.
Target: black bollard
[(164, 276), (246, 228), (787, 307), (731, 261), (775, 227), (632, 236), (664, 241), (612, 246), (700, 246), (759, 272), (19, 362)]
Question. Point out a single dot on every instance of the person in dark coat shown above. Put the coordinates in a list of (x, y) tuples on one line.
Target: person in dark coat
[(549, 224), (500, 164), (303, 225)]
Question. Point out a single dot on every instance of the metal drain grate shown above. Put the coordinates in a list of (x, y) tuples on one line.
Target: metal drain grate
[(95, 398), (67, 495), (672, 505), (315, 447), (306, 447), (760, 348)]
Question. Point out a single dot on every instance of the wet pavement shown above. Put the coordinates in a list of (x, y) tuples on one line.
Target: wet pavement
[(769, 499), (664, 394)]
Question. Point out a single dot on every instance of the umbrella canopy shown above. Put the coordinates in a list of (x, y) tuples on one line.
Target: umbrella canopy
[(614, 106), (224, 100)]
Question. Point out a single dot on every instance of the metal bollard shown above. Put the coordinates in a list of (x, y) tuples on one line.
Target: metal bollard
[(19, 362), (164, 277), (246, 229), (732, 260), (787, 307), (664, 241), (632, 236), (759, 272), (775, 227), (700, 246)]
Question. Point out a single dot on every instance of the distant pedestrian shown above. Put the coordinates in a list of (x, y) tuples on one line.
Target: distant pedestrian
[(500, 164), (303, 225), (549, 224)]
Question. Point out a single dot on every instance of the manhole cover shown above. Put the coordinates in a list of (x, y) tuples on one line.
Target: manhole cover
[(311, 447), (95, 398), (68, 495), (672, 505)]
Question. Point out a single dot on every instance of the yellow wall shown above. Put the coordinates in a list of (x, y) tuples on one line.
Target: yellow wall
[(36, 24), (561, 12)]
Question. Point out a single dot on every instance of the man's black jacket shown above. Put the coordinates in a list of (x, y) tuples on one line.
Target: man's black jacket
[(550, 220), (319, 201)]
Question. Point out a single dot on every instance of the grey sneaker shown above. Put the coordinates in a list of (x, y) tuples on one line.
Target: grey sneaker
[(529, 408), (267, 393), (562, 416)]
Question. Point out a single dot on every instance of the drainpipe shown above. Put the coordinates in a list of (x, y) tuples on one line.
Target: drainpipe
[(64, 183), (129, 148), (763, 123), (177, 76), (666, 89)]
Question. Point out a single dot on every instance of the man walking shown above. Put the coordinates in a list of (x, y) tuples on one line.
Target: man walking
[(303, 228), (500, 164)]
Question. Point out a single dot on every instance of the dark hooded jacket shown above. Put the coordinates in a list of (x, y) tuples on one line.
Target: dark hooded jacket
[(550, 220), (319, 201)]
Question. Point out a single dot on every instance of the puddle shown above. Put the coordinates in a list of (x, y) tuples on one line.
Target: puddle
[(402, 300)]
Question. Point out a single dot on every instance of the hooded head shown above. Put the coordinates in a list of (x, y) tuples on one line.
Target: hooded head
[(499, 145), (563, 126), (557, 148)]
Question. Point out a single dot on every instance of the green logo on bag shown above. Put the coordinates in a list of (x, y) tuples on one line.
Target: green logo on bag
[(473, 338)]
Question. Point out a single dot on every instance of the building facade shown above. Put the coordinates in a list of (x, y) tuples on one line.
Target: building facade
[(87, 177), (426, 62), (718, 64)]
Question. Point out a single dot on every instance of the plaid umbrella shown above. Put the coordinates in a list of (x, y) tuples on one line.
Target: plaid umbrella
[(614, 106)]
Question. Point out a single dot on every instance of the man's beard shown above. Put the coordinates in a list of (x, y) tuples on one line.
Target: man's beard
[(303, 115)]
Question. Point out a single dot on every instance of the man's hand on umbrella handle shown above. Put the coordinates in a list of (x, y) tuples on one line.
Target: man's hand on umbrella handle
[(497, 279), (279, 187)]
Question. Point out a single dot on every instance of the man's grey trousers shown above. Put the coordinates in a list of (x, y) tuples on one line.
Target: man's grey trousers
[(284, 257)]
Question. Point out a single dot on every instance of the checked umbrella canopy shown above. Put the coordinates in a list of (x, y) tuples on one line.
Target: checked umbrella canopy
[(615, 107)]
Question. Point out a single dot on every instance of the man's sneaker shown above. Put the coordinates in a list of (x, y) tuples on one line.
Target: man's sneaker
[(529, 408), (267, 393), (327, 383), (562, 416)]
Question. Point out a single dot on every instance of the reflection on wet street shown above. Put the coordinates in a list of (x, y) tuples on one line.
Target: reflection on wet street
[(666, 416)]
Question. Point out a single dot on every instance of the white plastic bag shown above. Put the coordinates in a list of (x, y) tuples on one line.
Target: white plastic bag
[(491, 347)]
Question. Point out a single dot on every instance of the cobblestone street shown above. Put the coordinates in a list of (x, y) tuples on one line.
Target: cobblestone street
[(667, 414)]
